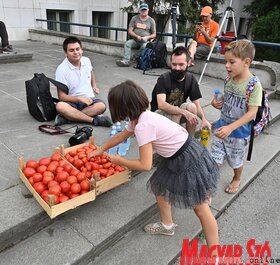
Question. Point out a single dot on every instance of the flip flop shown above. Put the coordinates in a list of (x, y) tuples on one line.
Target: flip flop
[(233, 188)]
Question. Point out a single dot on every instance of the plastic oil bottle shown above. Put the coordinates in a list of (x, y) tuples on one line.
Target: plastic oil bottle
[(204, 139)]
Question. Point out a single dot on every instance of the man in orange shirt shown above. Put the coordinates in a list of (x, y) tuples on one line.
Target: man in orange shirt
[(205, 35)]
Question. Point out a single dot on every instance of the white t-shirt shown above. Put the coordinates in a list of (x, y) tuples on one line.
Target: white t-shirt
[(167, 137), (77, 79)]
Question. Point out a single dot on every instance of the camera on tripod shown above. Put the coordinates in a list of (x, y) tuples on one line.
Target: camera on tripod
[(81, 135)]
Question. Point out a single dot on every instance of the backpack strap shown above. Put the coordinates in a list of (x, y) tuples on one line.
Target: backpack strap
[(249, 89), (53, 130)]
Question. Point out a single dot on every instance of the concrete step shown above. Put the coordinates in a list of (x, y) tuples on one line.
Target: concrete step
[(15, 58), (111, 227)]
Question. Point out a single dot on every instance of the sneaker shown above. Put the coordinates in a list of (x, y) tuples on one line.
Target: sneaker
[(102, 121), (60, 120), (159, 229), (8, 50), (122, 63)]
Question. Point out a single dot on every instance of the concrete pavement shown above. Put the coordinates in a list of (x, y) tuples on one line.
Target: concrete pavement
[(108, 230)]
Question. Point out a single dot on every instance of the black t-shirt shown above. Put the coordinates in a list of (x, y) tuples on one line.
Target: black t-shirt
[(176, 92)]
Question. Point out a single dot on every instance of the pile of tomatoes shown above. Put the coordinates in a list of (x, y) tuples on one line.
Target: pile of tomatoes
[(100, 165), (57, 177), (67, 180)]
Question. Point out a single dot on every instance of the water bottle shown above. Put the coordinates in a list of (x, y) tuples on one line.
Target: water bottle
[(218, 95), (204, 137), (118, 127), (128, 139), (122, 148), (113, 150), (219, 50)]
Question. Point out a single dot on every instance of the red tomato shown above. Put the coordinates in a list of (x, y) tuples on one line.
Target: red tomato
[(52, 183), (65, 186), (78, 163), (110, 172), (31, 163), (74, 172), (59, 169), (44, 193), (119, 168), (107, 165), (85, 185), (84, 191), (75, 188), (62, 163), (31, 181), (81, 176), (61, 176), (63, 198), (47, 178), (72, 179), (46, 199), (55, 189), (72, 153), (39, 187), (44, 161), (74, 195), (37, 177), (88, 166), (67, 167), (29, 171), (41, 169), (56, 156), (94, 166), (70, 160), (103, 171), (104, 160)]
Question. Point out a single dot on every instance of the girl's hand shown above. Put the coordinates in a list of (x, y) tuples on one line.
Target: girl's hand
[(99, 151), (115, 159)]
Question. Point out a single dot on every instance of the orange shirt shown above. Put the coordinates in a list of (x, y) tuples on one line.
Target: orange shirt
[(212, 30)]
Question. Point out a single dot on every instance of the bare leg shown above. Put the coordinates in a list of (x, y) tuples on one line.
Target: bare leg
[(73, 114), (165, 210), (235, 182), (209, 224), (191, 128)]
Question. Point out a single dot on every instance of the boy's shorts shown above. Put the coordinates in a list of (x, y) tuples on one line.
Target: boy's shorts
[(231, 149), (81, 105)]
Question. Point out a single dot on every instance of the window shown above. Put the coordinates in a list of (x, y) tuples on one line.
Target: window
[(241, 26), (59, 15), (100, 19)]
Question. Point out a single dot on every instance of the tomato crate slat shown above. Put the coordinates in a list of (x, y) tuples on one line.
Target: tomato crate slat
[(103, 184), (57, 209)]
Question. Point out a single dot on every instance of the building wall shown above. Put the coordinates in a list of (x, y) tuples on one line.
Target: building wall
[(21, 15)]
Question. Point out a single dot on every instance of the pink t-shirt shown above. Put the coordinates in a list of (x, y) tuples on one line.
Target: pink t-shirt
[(166, 136)]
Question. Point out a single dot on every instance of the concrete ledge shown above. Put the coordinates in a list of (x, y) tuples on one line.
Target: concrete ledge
[(268, 72), (15, 58)]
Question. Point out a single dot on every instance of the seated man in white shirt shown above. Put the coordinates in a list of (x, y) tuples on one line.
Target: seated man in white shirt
[(80, 103)]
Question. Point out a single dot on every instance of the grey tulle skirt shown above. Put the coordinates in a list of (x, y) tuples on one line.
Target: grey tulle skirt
[(188, 178)]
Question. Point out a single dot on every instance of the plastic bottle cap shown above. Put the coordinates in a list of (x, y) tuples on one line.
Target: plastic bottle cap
[(217, 91)]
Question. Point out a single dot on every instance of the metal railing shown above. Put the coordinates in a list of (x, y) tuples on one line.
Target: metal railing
[(183, 36), (116, 29)]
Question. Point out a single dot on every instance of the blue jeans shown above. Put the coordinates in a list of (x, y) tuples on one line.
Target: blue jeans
[(129, 45)]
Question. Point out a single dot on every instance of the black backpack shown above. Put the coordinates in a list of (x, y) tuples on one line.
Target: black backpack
[(40, 102), (153, 56), (159, 56)]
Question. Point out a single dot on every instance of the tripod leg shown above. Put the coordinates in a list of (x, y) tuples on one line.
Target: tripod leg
[(212, 48)]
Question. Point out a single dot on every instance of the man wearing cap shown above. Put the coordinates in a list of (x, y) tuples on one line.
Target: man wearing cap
[(205, 35), (142, 28)]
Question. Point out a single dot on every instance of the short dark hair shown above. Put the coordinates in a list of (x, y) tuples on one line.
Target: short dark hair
[(70, 40), (127, 100), (181, 50)]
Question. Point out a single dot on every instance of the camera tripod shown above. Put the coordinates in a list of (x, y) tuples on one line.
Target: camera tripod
[(228, 9)]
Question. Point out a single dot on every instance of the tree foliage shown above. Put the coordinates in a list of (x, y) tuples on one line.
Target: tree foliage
[(265, 26)]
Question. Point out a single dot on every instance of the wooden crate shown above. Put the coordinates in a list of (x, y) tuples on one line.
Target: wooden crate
[(102, 185), (55, 210)]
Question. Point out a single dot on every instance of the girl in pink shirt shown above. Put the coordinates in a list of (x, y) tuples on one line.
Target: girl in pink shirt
[(186, 177)]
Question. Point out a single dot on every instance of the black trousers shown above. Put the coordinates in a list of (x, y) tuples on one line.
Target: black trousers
[(3, 34)]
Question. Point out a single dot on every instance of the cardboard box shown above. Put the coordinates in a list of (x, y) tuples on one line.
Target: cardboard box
[(55, 210), (106, 184)]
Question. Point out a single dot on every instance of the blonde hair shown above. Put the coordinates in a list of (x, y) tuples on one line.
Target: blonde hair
[(241, 49)]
